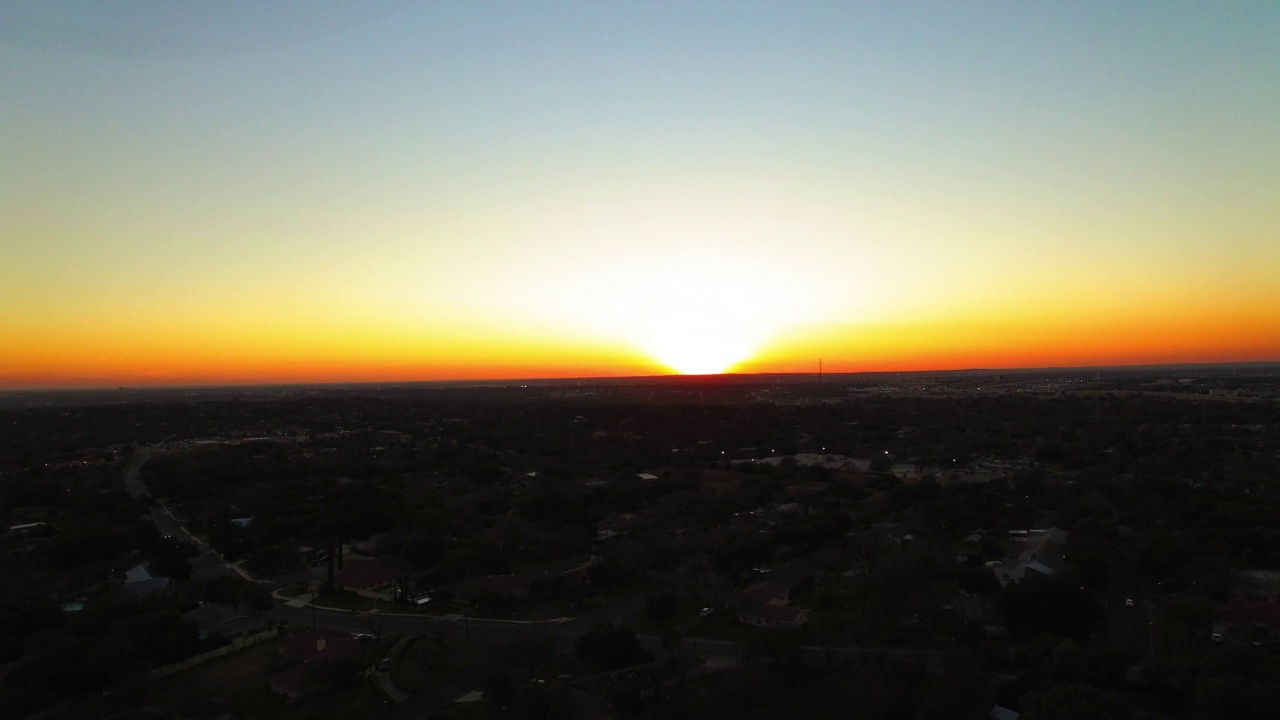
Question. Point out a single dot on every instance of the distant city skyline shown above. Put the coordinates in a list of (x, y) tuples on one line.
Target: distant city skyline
[(333, 192)]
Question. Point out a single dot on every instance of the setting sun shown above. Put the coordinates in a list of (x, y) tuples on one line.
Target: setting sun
[(696, 347), (694, 313)]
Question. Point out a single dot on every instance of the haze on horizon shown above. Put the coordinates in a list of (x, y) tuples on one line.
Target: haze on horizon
[(305, 192)]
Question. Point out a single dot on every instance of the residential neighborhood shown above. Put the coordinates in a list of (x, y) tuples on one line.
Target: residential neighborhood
[(925, 550)]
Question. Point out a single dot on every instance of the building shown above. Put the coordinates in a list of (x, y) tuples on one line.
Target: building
[(772, 616), (311, 649), (139, 582), (513, 587), (768, 603), (1040, 553)]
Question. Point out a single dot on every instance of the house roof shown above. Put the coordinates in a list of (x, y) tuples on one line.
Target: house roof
[(147, 587), (517, 584), (289, 682), (323, 643), (767, 591), (1246, 611), (999, 712), (793, 574), (776, 613), (366, 572), (975, 608), (136, 573)]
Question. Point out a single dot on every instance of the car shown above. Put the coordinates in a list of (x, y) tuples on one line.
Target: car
[(1128, 602), (362, 637), (704, 612), (384, 665), (1216, 637)]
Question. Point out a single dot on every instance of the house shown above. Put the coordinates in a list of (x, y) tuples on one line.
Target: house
[(361, 573), (1007, 571), (999, 712), (905, 471), (139, 582), (768, 603), (308, 549), (24, 528), (581, 574), (773, 616), (977, 610), (311, 648), (368, 546), (794, 575), (765, 593), (886, 534), (1263, 615), (514, 587), (1041, 553)]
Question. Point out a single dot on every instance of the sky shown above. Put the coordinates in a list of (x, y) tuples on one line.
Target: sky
[(233, 192)]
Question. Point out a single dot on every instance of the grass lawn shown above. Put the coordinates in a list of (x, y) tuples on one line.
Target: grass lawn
[(553, 565), (440, 608), (1169, 639), (351, 601), (686, 620), (721, 626), (479, 710), (541, 609), (422, 662), (241, 680)]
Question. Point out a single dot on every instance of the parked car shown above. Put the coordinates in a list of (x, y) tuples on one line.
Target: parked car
[(704, 612), (384, 665), (1128, 602)]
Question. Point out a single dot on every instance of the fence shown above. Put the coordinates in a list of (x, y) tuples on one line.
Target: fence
[(238, 643)]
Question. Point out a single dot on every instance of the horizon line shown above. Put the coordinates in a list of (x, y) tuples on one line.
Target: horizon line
[(606, 378)]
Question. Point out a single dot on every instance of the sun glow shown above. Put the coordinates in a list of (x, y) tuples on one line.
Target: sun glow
[(702, 345), (696, 316)]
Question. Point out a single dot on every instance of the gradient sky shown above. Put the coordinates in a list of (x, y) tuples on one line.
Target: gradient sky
[(244, 191)]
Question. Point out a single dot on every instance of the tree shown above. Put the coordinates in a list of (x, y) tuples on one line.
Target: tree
[(672, 641), (1075, 700), (223, 590), (662, 608), (336, 673), (255, 596), (1039, 604), (532, 647), (172, 564), (375, 623), (611, 647), (779, 645), (606, 574), (499, 688)]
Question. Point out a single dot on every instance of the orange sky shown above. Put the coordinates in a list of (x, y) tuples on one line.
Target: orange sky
[(440, 191)]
